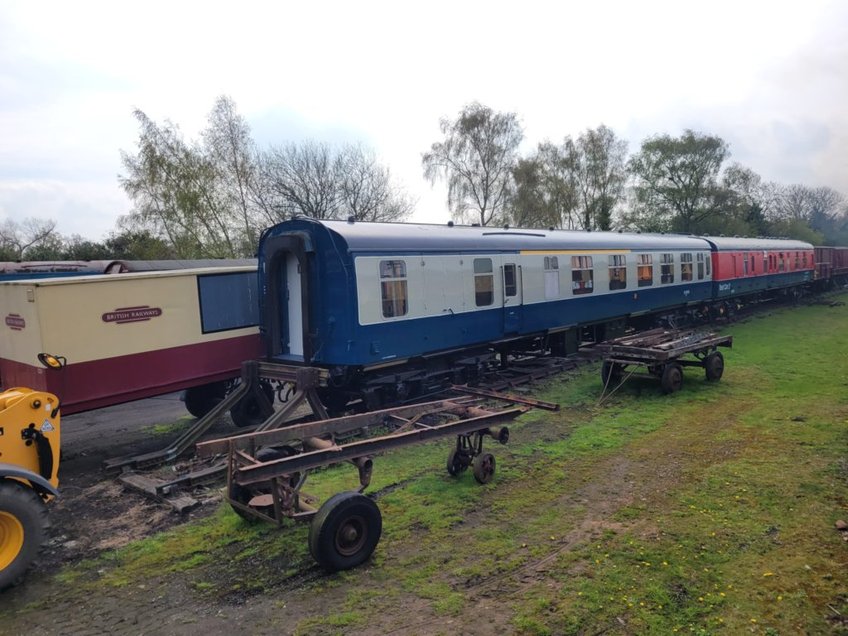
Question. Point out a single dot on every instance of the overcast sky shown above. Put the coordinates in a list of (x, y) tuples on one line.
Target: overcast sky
[(771, 78)]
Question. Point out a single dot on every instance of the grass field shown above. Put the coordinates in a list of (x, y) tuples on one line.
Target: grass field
[(708, 511)]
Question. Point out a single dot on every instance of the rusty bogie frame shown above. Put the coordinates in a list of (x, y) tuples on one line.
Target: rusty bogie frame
[(266, 470), (661, 352)]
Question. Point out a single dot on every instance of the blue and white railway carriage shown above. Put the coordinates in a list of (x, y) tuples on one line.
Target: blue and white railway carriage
[(367, 295)]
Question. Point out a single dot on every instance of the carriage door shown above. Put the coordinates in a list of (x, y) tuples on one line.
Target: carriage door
[(293, 310), (512, 297)]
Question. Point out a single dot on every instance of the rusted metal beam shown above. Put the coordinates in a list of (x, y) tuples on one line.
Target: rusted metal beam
[(258, 473), (507, 397), (320, 428)]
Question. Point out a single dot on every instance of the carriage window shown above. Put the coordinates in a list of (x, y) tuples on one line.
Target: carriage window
[(510, 287), (804, 259), (666, 268), (617, 271), (708, 261), (551, 277), (781, 265), (753, 264), (797, 260), (745, 264), (582, 275), (765, 263), (484, 282), (393, 288), (700, 267), (645, 269), (686, 266)]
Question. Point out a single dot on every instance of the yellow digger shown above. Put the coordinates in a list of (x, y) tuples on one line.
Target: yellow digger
[(29, 467)]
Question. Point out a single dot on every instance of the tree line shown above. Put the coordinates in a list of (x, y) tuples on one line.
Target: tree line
[(211, 197), (680, 184)]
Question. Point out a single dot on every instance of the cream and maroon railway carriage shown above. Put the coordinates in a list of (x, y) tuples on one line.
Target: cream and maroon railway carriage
[(131, 336)]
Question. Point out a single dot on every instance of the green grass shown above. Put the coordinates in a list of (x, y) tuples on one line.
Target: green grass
[(708, 511)]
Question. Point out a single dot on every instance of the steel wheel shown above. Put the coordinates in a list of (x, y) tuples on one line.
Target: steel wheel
[(23, 527), (456, 462), (484, 468), (672, 378), (345, 531), (714, 366)]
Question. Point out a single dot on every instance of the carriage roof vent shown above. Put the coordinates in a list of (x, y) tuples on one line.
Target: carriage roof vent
[(450, 223), (551, 228), (351, 219), (475, 225), (506, 226)]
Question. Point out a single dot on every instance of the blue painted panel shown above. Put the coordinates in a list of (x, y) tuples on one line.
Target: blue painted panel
[(753, 284), (371, 344)]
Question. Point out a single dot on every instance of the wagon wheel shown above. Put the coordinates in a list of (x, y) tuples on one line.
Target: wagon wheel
[(244, 494), (672, 378), (457, 462), (23, 528), (345, 531), (199, 400), (484, 468), (610, 373), (714, 366), (248, 412)]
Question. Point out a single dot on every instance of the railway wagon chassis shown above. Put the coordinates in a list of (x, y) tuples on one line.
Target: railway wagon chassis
[(266, 470), (661, 352)]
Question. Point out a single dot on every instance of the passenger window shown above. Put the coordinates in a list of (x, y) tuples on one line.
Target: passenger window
[(666, 268), (484, 282), (686, 266), (510, 286), (753, 264), (781, 265), (797, 260), (393, 288), (804, 259), (582, 275), (745, 264), (617, 271), (551, 277), (645, 269), (700, 267)]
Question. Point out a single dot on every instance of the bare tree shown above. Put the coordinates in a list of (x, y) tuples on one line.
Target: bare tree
[(19, 239), (366, 191), (326, 182), (476, 159), (298, 179)]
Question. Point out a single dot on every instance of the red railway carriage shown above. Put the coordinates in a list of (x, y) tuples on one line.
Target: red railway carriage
[(747, 266)]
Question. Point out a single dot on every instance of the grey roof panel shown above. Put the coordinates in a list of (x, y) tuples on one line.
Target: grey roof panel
[(393, 237)]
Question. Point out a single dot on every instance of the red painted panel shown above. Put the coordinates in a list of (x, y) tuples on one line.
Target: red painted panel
[(89, 385), (731, 265)]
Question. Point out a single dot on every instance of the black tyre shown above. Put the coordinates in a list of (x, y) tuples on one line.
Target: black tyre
[(456, 462), (248, 412), (199, 400), (23, 529), (610, 373), (714, 366), (484, 468), (672, 378), (345, 531), (243, 494)]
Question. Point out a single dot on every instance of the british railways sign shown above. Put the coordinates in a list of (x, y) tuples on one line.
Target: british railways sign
[(131, 314)]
